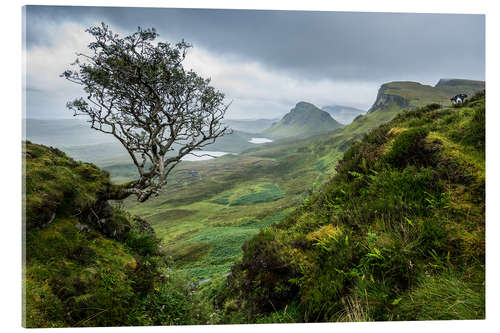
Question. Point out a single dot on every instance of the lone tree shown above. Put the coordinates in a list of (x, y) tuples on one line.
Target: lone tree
[(138, 91)]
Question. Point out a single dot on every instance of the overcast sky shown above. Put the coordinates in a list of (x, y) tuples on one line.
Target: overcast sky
[(265, 61)]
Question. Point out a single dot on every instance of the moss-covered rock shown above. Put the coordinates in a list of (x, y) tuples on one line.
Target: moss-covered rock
[(89, 263)]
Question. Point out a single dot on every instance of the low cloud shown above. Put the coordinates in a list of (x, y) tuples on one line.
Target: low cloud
[(46, 92), (259, 91), (256, 91)]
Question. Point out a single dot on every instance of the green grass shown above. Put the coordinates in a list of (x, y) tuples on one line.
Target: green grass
[(230, 199), (444, 297), (397, 234), (257, 193), (89, 264)]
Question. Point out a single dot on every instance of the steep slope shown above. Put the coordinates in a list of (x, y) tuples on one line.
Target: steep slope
[(304, 119), (88, 263), (343, 114), (397, 234)]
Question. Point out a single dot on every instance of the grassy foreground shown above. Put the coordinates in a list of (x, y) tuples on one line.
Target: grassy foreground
[(88, 264)]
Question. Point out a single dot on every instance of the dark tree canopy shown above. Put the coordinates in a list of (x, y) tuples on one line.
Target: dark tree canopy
[(138, 91)]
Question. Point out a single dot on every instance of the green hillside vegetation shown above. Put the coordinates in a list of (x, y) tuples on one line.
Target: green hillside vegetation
[(223, 202), (397, 234), (87, 263), (304, 119), (199, 194), (393, 97), (414, 94)]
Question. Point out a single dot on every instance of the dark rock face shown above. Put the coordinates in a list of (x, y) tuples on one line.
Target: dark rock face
[(143, 225), (385, 99), (104, 218)]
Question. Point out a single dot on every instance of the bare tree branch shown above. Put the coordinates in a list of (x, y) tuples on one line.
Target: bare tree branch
[(139, 92)]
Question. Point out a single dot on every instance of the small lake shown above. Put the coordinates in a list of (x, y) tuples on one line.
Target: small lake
[(203, 155), (259, 140)]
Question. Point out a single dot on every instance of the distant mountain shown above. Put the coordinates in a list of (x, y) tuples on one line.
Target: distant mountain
[(404, 94), (63, 132), (343, 114), (249, 125), (304, 119)]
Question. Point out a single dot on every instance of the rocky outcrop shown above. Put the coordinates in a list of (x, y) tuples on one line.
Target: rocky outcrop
[(384, 99)]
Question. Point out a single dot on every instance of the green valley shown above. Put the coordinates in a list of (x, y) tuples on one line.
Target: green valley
[(202, 196)]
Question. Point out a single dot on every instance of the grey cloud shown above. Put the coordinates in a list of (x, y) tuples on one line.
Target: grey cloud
[(340, 45), (352, 52)]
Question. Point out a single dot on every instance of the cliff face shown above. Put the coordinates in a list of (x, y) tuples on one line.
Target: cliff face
[(384, 99)]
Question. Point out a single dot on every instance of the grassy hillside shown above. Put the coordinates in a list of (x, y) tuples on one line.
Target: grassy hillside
[(303, 120), (87, 263), (393, 97), (346, 253), (413, 94), (397, 234)]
